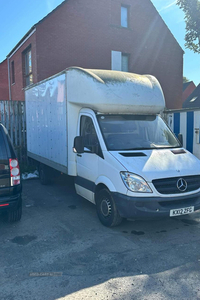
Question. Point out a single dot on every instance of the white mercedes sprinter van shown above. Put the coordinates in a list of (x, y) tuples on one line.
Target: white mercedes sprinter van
[(104, 128)]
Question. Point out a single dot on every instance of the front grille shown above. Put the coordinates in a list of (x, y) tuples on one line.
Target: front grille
[(169, 185)]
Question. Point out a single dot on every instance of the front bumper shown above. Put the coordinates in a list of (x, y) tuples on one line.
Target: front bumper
[(152, 207)]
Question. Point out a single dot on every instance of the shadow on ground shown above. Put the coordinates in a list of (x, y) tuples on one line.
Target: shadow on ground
[(60, 249)]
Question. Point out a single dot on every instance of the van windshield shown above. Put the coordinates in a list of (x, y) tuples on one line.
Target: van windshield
[(136, 132)]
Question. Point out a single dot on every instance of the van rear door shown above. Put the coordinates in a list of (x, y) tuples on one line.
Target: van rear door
[(4, 166)]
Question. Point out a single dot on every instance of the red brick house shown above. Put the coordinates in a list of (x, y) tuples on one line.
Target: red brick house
[(193, 101), (126, 35), (188, 89), (4, 91)]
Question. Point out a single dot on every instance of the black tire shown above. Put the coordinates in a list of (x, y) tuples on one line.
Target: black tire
[(44, 175), (15, 215), (106, 209)]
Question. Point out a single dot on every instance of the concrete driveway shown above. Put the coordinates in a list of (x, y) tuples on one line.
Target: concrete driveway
[(60, 250)]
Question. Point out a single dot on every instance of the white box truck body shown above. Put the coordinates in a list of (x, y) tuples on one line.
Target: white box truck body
[(103, 128)]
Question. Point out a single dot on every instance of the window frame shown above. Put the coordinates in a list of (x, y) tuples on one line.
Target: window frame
[(81, 131), (116, 60), (12, 72), (27, 66), (127, 7), (100, 153), (128, 57)]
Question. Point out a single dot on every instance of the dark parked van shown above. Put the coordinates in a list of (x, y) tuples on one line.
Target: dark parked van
[(10, 181)]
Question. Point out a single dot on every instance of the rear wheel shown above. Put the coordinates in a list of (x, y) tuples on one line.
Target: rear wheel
[(15, 215), (106, 209), (44, 174)]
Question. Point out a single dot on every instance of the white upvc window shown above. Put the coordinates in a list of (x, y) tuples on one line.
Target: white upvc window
[(116, 63), (119, 61), (124, 16)]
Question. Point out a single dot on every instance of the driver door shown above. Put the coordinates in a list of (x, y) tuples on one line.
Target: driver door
[(87, 162)]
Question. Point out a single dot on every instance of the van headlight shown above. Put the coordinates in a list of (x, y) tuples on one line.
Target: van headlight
[(135, 183)]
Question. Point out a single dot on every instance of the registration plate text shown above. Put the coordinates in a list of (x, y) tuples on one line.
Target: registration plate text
[(181, 211)]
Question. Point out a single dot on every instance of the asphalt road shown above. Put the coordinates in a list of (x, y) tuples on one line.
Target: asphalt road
[(59, 250)]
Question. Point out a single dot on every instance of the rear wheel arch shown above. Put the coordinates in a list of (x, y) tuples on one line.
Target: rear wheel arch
[(44, 174)]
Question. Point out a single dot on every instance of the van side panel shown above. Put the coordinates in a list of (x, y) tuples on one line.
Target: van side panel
[(46, 115)]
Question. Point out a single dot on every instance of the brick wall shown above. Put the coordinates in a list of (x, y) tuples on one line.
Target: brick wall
[(83, 33), (4, 94), (17, 88)]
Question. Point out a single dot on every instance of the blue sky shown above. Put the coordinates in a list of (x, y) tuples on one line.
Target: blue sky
[(174, 18), (17, 17)]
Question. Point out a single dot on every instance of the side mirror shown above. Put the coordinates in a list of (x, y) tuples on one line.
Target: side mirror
[(78, 145), (180, 138)]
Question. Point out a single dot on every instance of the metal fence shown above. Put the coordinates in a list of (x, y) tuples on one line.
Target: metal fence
[(12, 115)]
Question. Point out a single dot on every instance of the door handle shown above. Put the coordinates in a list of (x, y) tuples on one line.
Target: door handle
[(79, 155)]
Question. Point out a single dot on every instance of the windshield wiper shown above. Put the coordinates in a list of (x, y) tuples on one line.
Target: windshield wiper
[(163, 147), (150, 148)]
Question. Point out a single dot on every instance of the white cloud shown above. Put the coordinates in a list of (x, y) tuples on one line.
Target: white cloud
[(167, 6)]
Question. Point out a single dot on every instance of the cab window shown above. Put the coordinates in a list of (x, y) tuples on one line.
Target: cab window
[(88, 133)]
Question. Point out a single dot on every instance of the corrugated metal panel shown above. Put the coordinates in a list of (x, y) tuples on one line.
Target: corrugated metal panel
[(12, 115), (190, 131), (177, 123)]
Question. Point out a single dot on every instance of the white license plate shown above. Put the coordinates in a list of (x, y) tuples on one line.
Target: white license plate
[(181, 211)]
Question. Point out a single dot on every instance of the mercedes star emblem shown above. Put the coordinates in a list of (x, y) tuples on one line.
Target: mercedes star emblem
[(182, 185)]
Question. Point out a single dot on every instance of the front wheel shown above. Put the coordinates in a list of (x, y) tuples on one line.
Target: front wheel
[(106, 209)]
